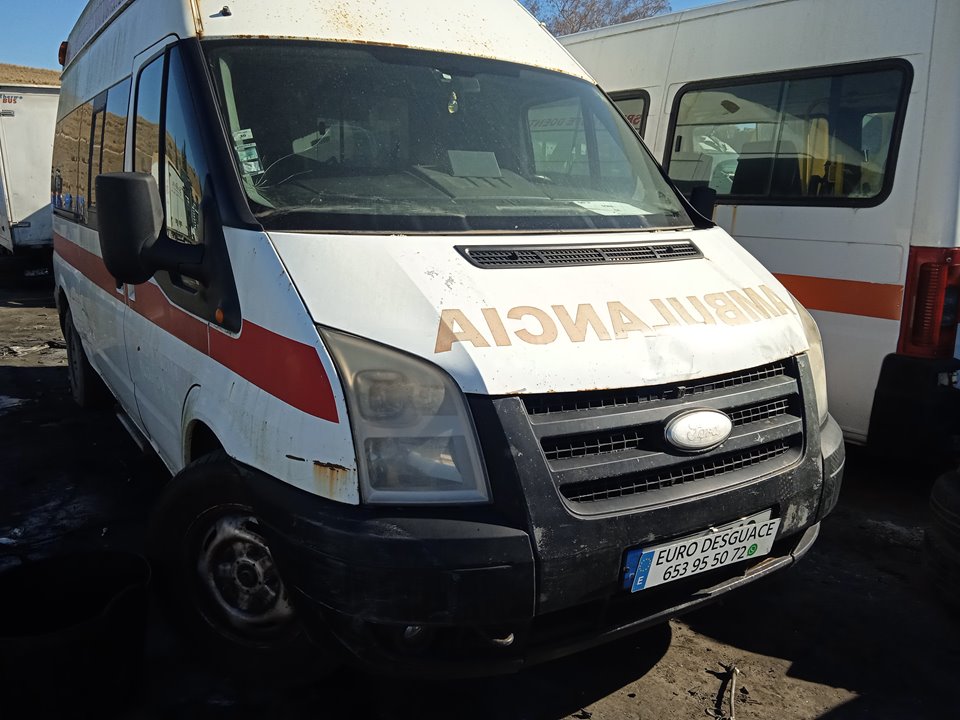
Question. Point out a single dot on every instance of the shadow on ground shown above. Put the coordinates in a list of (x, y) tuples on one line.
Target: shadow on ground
[(72, 481), (858, 612)]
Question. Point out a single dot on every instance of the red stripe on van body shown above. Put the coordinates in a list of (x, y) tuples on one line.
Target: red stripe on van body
[(148, 301), (288, 370), (852, 297), (88, 263)]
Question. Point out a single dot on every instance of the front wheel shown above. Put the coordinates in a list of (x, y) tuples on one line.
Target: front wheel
[(219, 576)]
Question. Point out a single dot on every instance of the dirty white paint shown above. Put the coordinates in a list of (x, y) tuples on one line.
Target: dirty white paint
[(400, 296), (496, 29), (499, 29)]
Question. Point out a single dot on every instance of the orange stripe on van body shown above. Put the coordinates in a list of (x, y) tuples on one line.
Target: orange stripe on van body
[(851, 297), (288, 370)]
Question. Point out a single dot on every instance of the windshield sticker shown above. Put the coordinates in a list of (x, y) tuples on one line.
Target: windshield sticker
[(540, 326), (241, 136), (249, 158), (610, 207)]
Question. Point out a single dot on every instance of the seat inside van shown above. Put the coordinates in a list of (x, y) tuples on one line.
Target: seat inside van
[(764, 170)]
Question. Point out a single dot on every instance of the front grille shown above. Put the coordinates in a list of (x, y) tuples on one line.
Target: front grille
[(744, 416), (490, 257), (568, 402), (593, 444), (677, 475), (604, 447)]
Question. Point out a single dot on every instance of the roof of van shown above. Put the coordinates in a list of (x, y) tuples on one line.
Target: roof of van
[(496, 29), (669, 19)]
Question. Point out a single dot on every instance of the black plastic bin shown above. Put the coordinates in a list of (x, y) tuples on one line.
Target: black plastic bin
[(72, 634)]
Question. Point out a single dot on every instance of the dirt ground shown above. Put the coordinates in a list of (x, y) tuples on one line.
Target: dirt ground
[(22, 75), (853, 631)]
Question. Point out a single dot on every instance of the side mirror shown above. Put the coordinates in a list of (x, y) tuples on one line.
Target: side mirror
[(129, 217), (130, 220), (703, 198)]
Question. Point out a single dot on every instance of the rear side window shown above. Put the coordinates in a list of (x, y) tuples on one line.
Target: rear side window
[(826, 136), (89, 140)]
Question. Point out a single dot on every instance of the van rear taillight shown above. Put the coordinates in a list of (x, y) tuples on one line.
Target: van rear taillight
[(929, 325)]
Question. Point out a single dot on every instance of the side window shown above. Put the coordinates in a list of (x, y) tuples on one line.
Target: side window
[(96, 154), (184, 162), (146, 132), (66, 155), (634, 104), (109, 138), (115, 128), (810, 139), (83, 162)]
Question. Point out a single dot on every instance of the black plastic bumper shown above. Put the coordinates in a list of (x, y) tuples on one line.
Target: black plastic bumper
[(492, 589)]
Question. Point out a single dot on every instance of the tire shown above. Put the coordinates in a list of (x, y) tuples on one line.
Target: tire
[(218, 578), (943, 537), (87, 388), (945, 505)]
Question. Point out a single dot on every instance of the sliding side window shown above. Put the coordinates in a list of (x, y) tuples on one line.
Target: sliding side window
[(818, 137)]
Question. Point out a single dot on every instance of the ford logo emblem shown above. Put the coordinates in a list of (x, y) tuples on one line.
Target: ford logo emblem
[(698, 430)]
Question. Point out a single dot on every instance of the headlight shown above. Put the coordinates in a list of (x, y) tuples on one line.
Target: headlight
[(817, 365), (414, 436)]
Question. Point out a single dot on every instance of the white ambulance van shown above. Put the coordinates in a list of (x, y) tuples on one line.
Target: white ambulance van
[(447, 373), (831, 133), (27, 117)]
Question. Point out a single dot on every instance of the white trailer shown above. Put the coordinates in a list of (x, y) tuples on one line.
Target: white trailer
[(28, 117)]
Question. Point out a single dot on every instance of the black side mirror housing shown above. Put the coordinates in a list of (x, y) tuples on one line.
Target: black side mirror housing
[(129, 216), (703, 198), (130, 220)]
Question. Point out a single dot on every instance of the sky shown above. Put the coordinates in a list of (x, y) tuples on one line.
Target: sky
[(34, 29)]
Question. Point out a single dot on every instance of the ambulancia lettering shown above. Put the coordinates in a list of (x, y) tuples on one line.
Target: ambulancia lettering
[(493, 327)]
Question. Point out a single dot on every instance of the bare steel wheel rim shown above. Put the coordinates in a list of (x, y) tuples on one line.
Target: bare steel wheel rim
[(241, 579)]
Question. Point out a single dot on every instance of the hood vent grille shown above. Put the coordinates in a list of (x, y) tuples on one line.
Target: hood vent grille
[(500, 256)]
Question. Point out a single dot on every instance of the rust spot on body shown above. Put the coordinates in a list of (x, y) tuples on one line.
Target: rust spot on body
[(330, 479)]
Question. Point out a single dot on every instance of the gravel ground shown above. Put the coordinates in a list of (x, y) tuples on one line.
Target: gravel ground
[(853, 631)]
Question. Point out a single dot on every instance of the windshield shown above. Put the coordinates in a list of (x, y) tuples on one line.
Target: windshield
[(375, 139)]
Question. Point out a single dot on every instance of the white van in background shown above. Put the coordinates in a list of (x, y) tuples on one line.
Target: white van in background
[(831, 132), (444, 368), (28, 114)]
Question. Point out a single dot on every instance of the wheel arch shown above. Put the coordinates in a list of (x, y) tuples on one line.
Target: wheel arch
[(202, 435)]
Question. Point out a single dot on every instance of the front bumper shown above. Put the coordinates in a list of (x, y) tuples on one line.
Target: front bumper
[(485, 590)]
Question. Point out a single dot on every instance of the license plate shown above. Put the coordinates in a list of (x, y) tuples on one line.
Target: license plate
[(745, 539)]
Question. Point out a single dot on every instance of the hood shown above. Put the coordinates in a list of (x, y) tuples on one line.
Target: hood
[(509, 330)]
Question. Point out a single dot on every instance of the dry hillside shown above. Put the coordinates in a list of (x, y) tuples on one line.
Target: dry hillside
[(21, 75)]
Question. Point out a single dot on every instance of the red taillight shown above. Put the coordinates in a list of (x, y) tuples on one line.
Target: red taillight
[(929, 325), (62, 55)]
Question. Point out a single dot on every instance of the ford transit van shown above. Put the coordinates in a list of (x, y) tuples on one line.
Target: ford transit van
[(446, 372)]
